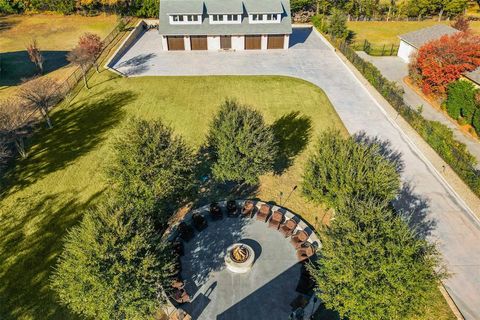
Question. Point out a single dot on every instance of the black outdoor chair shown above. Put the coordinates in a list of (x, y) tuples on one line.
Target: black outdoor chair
[(199, 221), (232, 210), (215, 211), (185, 231)]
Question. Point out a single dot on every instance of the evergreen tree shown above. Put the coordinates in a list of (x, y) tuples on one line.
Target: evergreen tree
[(372, 266), (153, 169), (461, 100), (341, 168), (337, 26), (114, 265), (242, 145)]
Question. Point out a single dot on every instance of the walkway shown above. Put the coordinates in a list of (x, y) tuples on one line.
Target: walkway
[(394, 69), (310, 58)]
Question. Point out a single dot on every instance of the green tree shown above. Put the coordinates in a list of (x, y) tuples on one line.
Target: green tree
[(461, 100), (114, 265), (476, 120), (341, 168), (372, 266), (337, 25), (243, 147), (153, 168), (149, 9)]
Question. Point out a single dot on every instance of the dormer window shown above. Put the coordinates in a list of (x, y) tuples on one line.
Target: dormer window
[(217, 17), (177, 18), (185, 19), (225, 18), (257, 17), (232, 17), (192, 18), (271, 17)]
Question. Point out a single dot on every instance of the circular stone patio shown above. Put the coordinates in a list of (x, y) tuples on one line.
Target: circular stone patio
[(264, 292)]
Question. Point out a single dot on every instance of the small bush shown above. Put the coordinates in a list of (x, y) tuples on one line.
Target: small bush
[(461, 100), (476, 120)]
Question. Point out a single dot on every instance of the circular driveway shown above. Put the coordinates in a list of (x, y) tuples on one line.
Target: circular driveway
[(265, 292)]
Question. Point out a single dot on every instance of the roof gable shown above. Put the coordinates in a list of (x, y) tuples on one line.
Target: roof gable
[(419, 37)]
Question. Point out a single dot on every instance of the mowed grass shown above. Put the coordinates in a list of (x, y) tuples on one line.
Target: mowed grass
[(55, 35), (47, 193), (387, 32)]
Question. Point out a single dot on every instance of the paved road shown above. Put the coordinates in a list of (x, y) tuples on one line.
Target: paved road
[(309, 58), (394, 69)]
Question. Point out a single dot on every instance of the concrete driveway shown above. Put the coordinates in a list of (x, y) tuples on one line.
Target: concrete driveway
[(442, 215)]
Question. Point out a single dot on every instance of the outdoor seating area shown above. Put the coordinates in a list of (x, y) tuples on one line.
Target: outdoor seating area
[(201, 240)]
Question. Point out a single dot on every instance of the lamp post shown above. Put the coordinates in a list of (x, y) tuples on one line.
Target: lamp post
[(293, 189)]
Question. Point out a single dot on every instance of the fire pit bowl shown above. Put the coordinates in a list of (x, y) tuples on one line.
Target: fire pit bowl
[(239, 258)]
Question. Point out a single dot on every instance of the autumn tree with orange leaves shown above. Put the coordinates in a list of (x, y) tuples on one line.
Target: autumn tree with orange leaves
[(443, 61)]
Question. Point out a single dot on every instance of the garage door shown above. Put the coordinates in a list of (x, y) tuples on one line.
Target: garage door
[(198, 42), (175, 43), (253, 42), (225, 42), (275, 41)]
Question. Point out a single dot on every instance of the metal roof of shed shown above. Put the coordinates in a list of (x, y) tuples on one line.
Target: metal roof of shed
[(419, 37)]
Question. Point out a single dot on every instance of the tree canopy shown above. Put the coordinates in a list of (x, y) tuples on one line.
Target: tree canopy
[(243, 147), (341, 168), (372, 266), (113, 265), (154, 169)]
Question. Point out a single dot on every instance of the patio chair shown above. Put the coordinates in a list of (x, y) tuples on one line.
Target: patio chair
[(199, 221), (177, 283), (232, 209), (288, 227), (248, 208), (215, 211), (177, 246), (276, 220), (299, 238), (263, 213), (305, 251), (185, 231), (180, 296)]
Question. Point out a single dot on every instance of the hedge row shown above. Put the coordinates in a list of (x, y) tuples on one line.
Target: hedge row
[(437, 135)]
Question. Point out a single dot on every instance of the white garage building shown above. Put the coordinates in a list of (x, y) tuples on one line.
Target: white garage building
[(412, 41)]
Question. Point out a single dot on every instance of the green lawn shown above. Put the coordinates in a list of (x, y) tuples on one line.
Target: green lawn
[(47, 193), (55, 34), (63, 174), (387, 32)]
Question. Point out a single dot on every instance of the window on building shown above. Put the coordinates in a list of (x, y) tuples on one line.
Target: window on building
[(192, 18), (257, 17), (217, 17), (177, 18), (232, 17), (271, 17)]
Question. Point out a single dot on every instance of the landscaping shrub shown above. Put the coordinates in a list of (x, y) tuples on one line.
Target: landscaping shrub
[(372, 266), (113, 265), (476, 120), (437, 135), (461, 100), (337, 24), (153, 169), (242, 146), (342, 168)]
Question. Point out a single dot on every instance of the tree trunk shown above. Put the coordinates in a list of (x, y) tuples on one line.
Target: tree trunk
[(20, 146), (40, 67), (96, 67), (440, 14), (45, 115), (317, 9), (85, 77)]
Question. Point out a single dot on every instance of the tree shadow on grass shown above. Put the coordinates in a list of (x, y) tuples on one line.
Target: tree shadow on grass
[(32, 239), (77, 130), (7, 23), (17, 65), (293, 132)]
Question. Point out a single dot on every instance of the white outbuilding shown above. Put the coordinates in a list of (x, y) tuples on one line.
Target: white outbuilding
[(412, 41)]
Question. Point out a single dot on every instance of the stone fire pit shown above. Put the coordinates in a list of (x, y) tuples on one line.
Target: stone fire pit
[(239, 258)]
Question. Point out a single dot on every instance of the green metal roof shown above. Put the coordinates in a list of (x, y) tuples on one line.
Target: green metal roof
[(263, 6), (224, 6), (182, 6)]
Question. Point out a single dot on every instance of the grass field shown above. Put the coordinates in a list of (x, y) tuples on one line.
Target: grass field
[(63, 174), (55, 35), (387, 32)]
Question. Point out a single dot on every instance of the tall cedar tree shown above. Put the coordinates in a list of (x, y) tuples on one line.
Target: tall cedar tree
[(92, 45), (41, 94), (243, 146), (114, 265), (341, 168), (153, 169), (372, 266), (443, 61), (461, 100)]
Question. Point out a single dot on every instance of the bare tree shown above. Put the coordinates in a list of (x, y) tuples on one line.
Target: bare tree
[(14, 119), (5, 154), (80, 57), (92, 45), (40, 94), (35, 55)]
